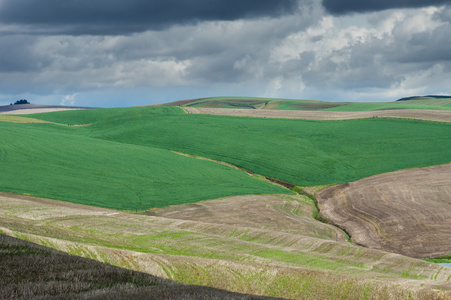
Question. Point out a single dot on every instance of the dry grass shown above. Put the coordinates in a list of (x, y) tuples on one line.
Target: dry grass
[(406, 212), (31, 271)]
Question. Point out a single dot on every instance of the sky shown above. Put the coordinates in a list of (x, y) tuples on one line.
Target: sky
[(119, 53)]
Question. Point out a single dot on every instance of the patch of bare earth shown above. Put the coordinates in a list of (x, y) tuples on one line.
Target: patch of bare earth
[(26, 109), (41, 208), (429, 115), (288, 214), (406, 212), (34, 111)]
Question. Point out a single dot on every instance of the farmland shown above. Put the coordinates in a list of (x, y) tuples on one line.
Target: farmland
[(194, 198), (302, 152), (242, 258), (405, 212), (422, 103), (414, 114), (51, 161)]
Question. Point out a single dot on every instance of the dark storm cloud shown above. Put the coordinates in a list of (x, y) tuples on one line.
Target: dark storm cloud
[(340, 7), (118, 16)]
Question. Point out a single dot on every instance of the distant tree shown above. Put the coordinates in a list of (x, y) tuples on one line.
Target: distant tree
[(21, 101)]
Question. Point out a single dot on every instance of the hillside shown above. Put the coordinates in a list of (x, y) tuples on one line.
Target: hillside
[(427, 102), (405, 212), (251, 258), (36, 108), (302, 152), (31, 271), (54, 161), (417, 114), (428, 98)]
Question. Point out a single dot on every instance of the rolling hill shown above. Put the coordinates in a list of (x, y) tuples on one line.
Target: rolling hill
[(227, 201), (302, 152), (426, 102)]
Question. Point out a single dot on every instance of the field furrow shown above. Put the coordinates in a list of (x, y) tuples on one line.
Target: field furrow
[(406, 212)]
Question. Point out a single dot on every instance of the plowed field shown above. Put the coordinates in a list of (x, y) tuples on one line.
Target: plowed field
[(429, 115), (406, 212)]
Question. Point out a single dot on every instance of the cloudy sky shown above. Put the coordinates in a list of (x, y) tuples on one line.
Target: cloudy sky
[(112, 53)]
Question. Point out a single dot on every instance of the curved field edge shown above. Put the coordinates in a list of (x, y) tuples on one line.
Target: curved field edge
[(246, 259), (52, 161), (406, 211), (302, 152)]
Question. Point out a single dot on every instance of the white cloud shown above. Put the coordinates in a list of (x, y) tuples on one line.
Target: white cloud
[(69, 99), (394, 52)]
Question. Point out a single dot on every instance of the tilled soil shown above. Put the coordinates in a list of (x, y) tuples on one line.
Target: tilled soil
[(26, 109), (429, 115), (406, 212), (277, 213)]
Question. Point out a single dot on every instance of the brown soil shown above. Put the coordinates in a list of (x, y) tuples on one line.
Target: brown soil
[(277, 213), (41, 208), (406, 212), (26, 109), (34, 111), (429, 115)]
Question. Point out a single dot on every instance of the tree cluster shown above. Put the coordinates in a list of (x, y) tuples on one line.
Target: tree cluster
[(21, 101)]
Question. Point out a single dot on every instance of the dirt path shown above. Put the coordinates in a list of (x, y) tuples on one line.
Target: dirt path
[(429, 115), (406, 212)]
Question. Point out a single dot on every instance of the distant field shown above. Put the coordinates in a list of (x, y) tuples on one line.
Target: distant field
[(414, 114), (302, 152), (435, 103)]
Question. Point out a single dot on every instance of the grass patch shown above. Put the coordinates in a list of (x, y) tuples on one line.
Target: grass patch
[(440, 259)]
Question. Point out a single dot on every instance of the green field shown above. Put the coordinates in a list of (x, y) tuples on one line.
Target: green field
[(434, 103), (303, 152), (58, 162)]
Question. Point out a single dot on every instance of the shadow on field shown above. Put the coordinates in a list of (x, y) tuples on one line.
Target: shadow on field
[(31, 271)]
